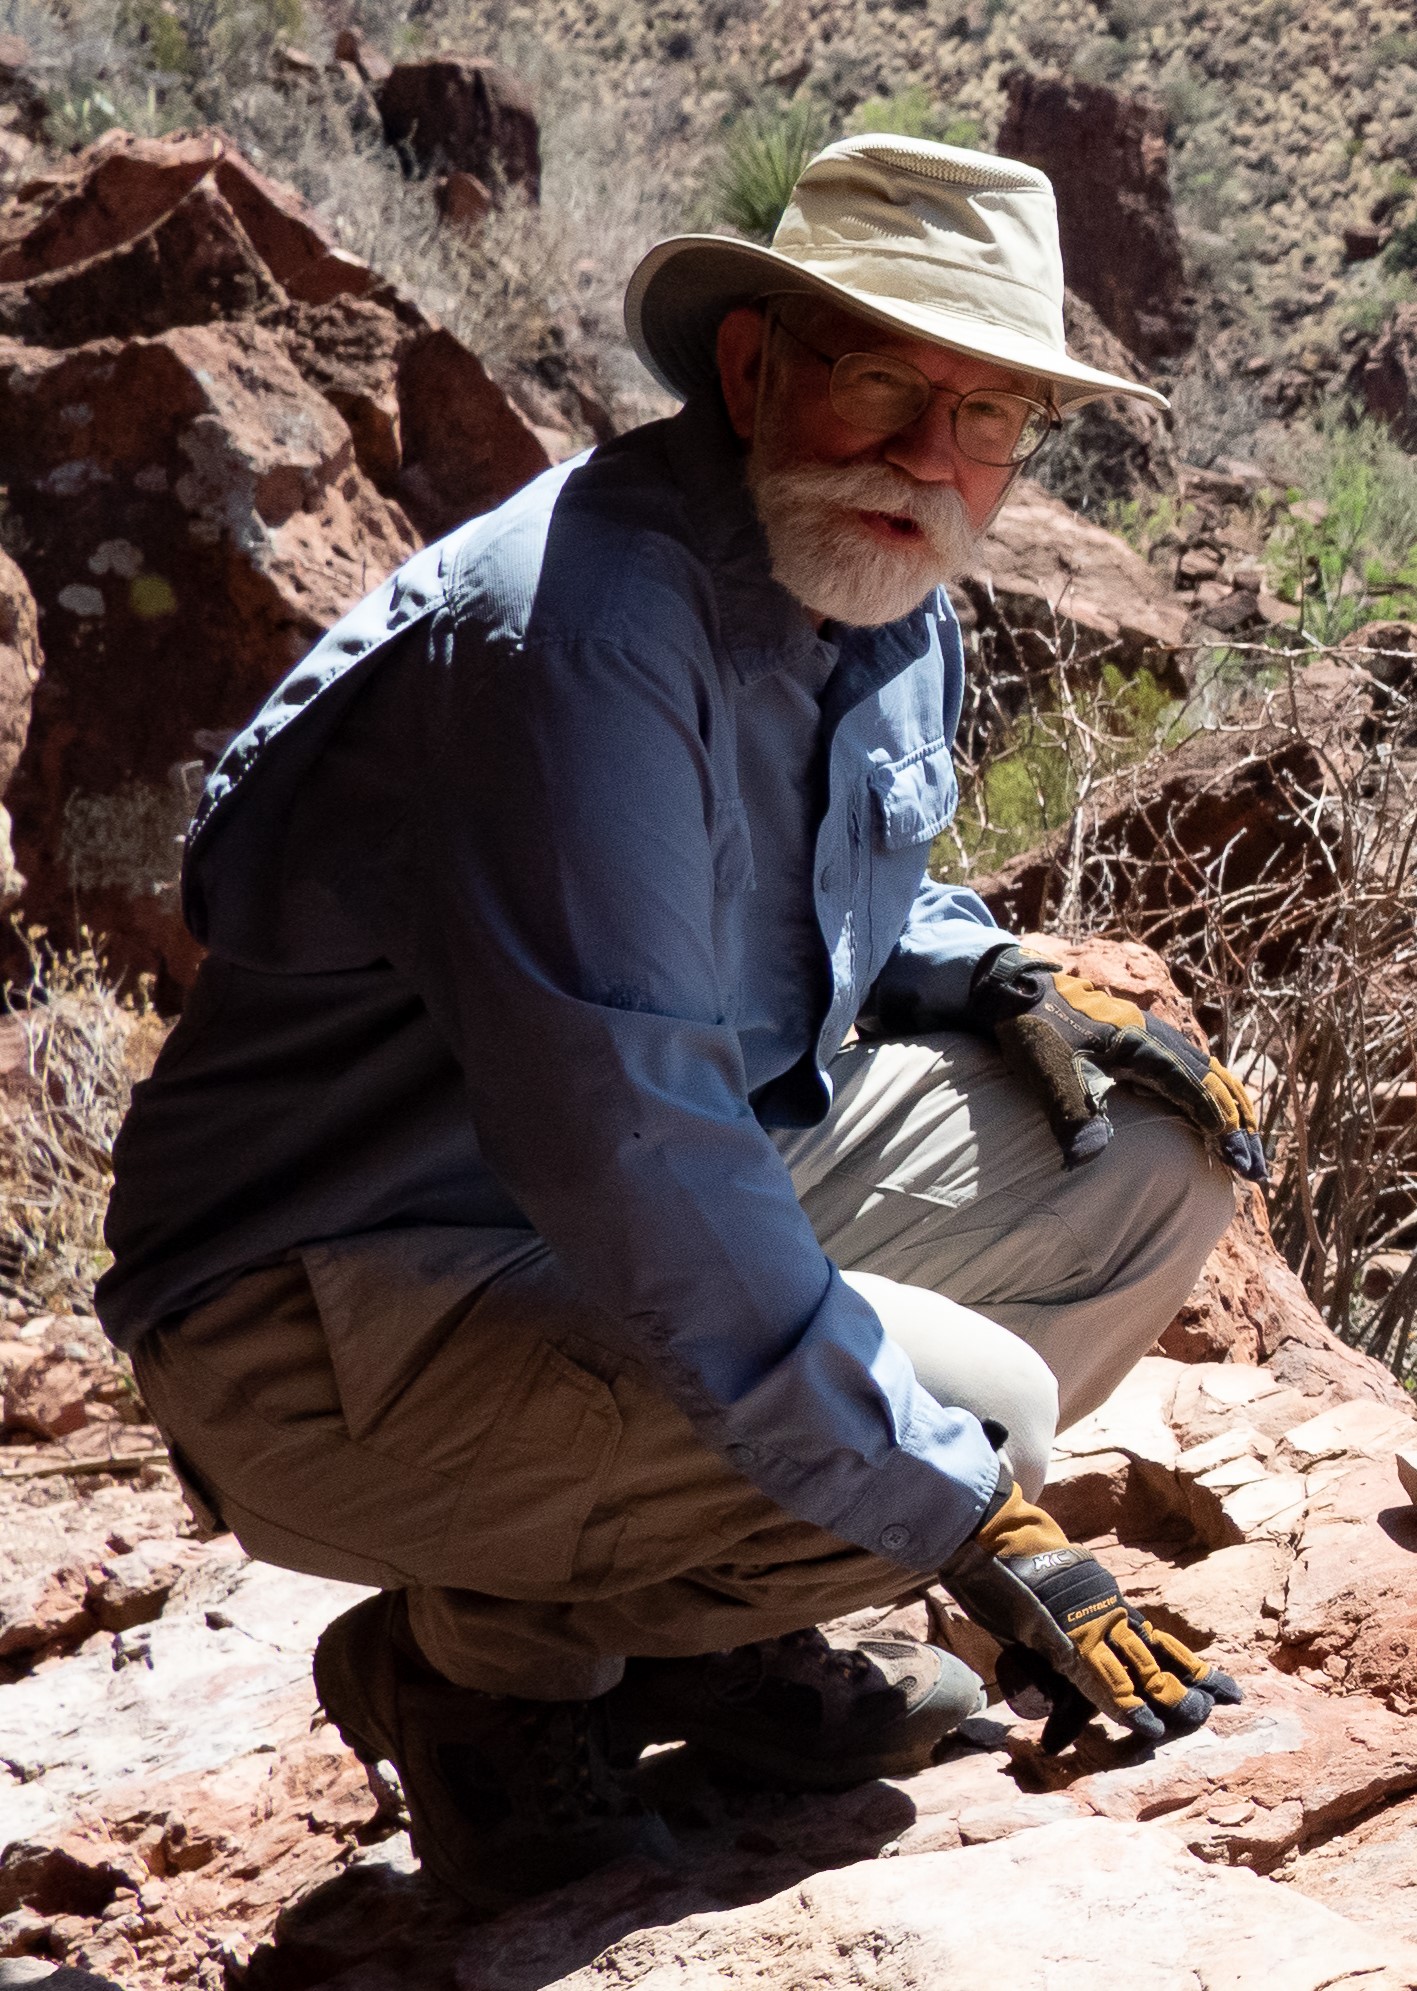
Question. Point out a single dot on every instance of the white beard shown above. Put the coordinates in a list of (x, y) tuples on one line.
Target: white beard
[(824, 557)]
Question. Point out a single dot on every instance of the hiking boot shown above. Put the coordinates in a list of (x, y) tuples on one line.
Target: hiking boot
[(506, 1797), (800, 1711)]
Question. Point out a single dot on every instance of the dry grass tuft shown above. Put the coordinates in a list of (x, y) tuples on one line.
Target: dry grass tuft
[(84, 1049)]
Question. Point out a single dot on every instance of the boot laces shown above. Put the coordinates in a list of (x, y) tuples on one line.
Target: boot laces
[(848, 1662)]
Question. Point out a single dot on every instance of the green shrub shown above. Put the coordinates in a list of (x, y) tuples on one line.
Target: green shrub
[(1372, 309), (1145, 521), (78, 117), (1345, 551), (762, 160), (913, 113), (1034, 769), (1400, 255)]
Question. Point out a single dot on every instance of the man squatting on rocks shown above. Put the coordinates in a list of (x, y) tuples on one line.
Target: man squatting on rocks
[(505, 1225)]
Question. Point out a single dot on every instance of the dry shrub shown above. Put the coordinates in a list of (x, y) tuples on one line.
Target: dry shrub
[(1288, 915), (84, 1049)]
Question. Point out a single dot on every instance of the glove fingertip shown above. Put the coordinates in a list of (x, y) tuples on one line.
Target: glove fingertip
[(1146, 1726), (1087, 1143), (1243, 1152), (1065, 1725), (1193, 1710), (1222, 1688)]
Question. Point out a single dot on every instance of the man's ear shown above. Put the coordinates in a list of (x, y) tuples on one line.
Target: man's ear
[(741, 339)]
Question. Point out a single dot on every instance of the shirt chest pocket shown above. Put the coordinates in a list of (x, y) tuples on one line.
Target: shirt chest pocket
[(914, 797)]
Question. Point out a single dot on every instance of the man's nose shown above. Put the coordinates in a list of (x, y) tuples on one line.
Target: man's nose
[(927, 450)]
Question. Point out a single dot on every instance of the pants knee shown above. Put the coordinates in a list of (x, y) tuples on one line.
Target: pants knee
[(1171, 1177), (1028, 1410), (969, 1362)]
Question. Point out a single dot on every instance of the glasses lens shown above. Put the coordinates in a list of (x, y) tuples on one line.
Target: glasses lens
[(1000, 428), (878, 394)]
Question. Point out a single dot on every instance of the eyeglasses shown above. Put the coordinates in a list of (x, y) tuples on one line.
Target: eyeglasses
[(879, 394)]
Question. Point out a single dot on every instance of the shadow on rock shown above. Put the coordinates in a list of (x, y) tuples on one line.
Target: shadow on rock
[(739, 1844)]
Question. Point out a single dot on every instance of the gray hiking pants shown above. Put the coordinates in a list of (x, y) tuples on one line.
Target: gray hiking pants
[(549, 1511)]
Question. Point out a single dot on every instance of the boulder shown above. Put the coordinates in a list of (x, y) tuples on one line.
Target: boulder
[(1349, 1614), (39, 1609), (450, 113), (218, 430), (193, 508), (1053, 1906), (354, 48), (431, 429), (1045, 582), (193, 265), (1384, 375), (121, 187), (1227, 808), (132, 1588), (46, 1399), (463, 200), (1106, 155)]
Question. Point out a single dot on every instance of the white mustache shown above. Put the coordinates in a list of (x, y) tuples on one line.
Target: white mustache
[(937, 509)]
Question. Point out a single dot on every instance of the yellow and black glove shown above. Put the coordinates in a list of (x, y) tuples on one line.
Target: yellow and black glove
[(1055, 1030), (1071, 1643)]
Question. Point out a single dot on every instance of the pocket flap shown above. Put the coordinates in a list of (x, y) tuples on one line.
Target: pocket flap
[(915, 796)]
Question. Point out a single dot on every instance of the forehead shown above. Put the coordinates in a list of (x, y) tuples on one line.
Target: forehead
[(840, 332)]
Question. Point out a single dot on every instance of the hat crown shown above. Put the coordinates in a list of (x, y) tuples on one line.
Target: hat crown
[(935, 242), (933, 225)]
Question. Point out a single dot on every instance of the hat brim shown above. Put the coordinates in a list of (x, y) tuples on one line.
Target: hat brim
[(683, 288)]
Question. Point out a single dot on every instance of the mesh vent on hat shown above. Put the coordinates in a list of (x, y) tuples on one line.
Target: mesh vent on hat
[(947, 163)]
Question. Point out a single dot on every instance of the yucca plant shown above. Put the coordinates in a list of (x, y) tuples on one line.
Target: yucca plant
[(763, 157)]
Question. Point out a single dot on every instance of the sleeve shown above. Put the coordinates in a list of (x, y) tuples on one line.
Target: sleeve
[(564, 942), (925, 982)]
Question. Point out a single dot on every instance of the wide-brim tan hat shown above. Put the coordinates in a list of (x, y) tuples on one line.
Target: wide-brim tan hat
[(960, 248)]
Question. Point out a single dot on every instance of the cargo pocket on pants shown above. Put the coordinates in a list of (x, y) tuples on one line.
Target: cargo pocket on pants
[(518, 1521)]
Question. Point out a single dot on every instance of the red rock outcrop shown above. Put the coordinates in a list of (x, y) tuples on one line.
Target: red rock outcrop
[(217, 430), (1385, 376), (121, 187), (1232, 804), (1106, 155), (195, 514), (450, 113), (1045, 581)]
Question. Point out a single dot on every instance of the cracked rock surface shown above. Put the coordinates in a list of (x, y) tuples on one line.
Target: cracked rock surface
[(174, 1812)]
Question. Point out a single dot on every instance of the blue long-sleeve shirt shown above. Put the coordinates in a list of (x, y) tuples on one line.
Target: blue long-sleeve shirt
[(551, 879)]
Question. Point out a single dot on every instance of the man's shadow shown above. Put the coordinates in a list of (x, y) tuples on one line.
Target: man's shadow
[(738, 1844)]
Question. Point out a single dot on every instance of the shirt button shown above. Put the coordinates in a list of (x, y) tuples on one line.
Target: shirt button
[(895, 1539), (739, 1455)]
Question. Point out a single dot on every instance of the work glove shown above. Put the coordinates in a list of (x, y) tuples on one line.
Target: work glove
[(1057, 1032), (1072, 1645)]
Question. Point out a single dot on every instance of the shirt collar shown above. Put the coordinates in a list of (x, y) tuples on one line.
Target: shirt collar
[(764, 627)]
